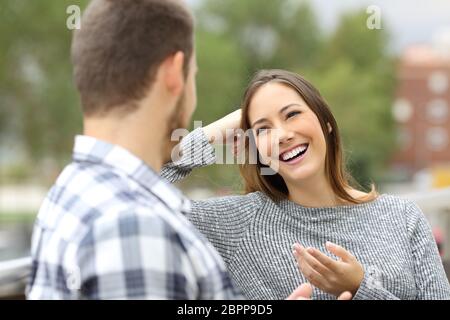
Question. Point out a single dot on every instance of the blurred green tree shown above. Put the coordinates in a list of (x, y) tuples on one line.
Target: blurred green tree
[(276, 33), (36, 90), (356, 76), (220, 81)]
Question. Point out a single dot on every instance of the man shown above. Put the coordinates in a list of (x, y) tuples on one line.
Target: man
[(111, 227)]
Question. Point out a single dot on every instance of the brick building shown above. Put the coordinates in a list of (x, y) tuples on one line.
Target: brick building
[(422, 111)]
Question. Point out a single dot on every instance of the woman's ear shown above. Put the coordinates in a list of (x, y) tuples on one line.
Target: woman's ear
[(330, 129)]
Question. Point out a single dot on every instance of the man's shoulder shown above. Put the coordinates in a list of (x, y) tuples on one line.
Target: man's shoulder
[(80, 196), (94, 202), (152, 220)]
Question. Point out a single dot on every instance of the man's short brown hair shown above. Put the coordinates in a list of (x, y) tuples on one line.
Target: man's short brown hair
[(120, 46)]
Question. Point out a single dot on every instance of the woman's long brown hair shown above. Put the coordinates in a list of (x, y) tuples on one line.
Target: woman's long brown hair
[(273, 185)]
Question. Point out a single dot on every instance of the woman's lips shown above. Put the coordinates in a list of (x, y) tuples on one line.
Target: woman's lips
[(297, 158)]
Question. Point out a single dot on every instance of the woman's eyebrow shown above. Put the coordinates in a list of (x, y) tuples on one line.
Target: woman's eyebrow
[(288, 106), (281, 111), (258, 121)]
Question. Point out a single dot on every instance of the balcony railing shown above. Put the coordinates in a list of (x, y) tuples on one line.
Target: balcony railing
[(13, 278)]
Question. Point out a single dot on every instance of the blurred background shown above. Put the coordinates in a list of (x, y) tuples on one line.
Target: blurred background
[(383, 66)]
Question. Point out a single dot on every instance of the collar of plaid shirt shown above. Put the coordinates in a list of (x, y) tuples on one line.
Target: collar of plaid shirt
[(91, 150)]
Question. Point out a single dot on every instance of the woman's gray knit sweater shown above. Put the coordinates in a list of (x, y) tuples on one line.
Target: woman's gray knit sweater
[(254, 235)]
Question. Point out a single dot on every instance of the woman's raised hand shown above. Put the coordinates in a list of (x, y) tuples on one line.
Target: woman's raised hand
[(221, 130)]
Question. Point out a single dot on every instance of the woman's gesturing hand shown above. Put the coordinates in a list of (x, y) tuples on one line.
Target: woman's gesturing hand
[(327, 274)]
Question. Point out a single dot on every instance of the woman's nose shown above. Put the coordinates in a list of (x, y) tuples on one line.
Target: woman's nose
[(284, 136)]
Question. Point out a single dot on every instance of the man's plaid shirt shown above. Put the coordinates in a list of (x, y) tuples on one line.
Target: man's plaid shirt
[(112, 228)]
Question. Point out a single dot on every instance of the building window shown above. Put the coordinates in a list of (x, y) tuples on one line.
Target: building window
[(438, 82), (437, 111), (402, 110), (437, 139)]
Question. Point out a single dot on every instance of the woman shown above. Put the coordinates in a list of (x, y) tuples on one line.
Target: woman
[(389, 249)]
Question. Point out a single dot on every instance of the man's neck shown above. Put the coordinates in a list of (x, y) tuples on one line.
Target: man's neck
[(143, 138)]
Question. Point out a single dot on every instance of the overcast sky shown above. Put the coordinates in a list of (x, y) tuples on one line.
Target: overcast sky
[(410, 21)]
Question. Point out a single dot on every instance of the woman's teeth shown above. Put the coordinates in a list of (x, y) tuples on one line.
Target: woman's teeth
[(295, 152)]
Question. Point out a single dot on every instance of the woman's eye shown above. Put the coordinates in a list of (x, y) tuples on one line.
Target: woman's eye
[(292, 113), (260, 131)]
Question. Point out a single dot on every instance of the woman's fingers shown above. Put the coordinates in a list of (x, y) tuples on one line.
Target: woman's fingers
[(236, 147), (339, 251), (313, 262), (328, 262), (303, 292), (310, 273), (345, 296), (327, 274)]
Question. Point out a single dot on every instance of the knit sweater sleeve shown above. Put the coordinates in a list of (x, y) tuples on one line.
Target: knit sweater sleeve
[(196, 151), (430, 277), (223, 220), (431, 280)]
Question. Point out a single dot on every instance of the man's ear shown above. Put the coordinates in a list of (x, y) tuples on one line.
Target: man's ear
[(173, 74)]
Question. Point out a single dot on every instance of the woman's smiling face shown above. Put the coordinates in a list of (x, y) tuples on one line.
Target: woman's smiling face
[(288, 133)]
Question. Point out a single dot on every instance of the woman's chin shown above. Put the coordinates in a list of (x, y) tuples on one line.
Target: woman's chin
[(297, 174)]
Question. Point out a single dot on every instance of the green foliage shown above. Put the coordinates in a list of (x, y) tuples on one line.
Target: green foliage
[(36, 91), (365, 48), (363, 115), (356, 76), (221, 76), (9, 219), (278, 33)]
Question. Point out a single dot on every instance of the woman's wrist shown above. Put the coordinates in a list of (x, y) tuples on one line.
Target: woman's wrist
[(210, 132), (217, 131)]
